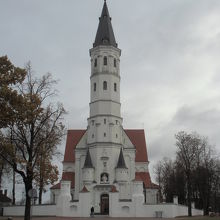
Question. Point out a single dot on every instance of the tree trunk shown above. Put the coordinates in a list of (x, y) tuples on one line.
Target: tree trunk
[(13, 189), (41, 179), (207, 202), (41, 182), (40, 195), (28, 186), (206, 210), (189, 195), (0, 178), (1, 173)]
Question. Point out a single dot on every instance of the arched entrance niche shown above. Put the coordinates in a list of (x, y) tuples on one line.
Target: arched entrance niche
[(104, 201)]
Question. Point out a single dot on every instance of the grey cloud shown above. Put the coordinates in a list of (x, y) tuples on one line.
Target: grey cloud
[(206, 122), (169, 64), (189, 119)]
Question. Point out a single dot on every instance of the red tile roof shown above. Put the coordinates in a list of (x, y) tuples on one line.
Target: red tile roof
[(70, 176), (137, 138), (145, 177), (73, 138)]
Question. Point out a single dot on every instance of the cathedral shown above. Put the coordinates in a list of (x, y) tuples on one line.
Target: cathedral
[(105, 158), (105, 166)]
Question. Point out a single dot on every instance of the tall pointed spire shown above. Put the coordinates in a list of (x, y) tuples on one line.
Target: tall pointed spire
[(88, 161), (121, 161), (105, 34)]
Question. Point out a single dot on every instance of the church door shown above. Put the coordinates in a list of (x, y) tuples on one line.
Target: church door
[(105, 204)]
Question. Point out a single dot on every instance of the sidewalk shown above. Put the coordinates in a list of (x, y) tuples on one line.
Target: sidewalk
[(77, 218)]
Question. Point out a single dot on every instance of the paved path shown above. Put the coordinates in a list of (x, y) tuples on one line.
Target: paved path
[(95, 218)]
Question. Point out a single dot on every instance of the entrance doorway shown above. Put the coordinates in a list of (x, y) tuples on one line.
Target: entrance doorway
[(105, 204)]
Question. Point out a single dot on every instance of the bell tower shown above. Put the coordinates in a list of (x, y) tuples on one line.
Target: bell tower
[(105, 163), (104, 122)]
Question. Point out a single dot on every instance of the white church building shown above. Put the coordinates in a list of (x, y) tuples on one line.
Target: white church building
[(106, 166), (105, 158)]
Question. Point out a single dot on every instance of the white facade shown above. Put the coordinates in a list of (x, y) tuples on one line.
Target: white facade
[(104, 123), (121, 208), (105, 166), (105, 157), (104, 136), (110, 165)]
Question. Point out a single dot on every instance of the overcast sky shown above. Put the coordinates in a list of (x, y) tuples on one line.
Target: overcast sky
[(170, 63)]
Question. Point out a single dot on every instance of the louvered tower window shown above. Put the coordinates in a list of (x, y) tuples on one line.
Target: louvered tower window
[(115, 87), (94, 87), (105, 61), (115, 63), (104, 85)]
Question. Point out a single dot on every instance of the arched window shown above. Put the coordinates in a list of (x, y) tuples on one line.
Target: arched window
[(105, 62), (94, 87), (115, 63), (95, 63), (104, 85), (104, 120), (115, 87)]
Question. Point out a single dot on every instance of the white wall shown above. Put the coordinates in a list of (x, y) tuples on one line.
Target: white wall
[(117, 209), (127, 209), (137, 208), (38, 210)]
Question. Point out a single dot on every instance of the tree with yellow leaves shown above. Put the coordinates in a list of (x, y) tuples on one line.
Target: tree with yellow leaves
[(34, 124)]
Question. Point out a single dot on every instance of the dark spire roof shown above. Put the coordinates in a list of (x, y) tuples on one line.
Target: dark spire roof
[(121, 160), (105, 34), (88, 160)]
